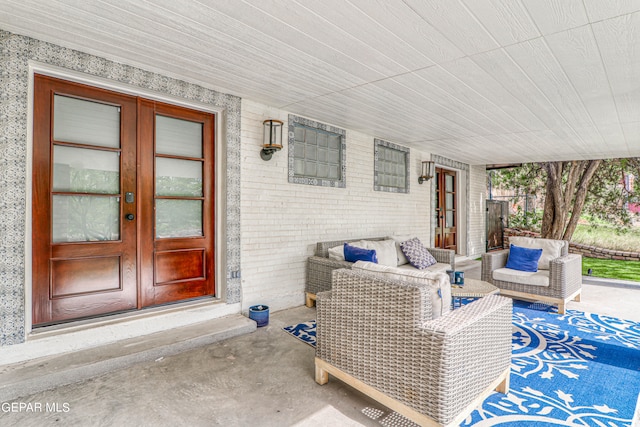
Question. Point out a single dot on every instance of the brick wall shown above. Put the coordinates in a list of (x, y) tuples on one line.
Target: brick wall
[(577, 248), (281, 222)]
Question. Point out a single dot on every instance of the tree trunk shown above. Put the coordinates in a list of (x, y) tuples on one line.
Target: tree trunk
[(566, 192), (580, 197), (554, 207)]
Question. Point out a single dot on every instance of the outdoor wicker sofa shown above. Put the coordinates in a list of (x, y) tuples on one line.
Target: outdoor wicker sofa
[(378, 336), (563, 274), (320, 266)]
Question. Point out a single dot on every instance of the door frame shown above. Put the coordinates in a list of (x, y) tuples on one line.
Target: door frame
[(220, 155), (457, 200)]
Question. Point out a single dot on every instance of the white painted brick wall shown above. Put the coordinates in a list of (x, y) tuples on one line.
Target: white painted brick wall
[(281, 222), (477, 211)]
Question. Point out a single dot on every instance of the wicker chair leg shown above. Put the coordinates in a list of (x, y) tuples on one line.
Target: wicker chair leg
[(577, 298), (310, 298)]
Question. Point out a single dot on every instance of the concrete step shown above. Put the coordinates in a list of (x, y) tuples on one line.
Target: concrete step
[(36, 375)]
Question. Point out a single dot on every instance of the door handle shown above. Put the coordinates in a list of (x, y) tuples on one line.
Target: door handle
[(129, 217)]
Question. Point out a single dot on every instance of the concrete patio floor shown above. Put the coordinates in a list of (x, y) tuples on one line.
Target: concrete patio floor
[(264, 378)]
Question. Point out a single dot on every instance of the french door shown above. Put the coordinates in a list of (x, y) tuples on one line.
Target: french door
[(446, 211), (122, 202)]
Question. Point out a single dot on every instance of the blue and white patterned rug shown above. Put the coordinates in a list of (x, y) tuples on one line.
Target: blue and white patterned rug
[(305, 332), (580, 369)]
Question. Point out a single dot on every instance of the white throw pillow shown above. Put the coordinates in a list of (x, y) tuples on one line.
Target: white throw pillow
[(337, 253), (385, 251), (551, 249), (402, 259)]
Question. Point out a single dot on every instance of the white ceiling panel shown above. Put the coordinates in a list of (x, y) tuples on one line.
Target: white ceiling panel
[(480, 81), (619, 43), (552, 16), (541, 67), (398, 18), (599, 9), (506, 20), (454, 20)]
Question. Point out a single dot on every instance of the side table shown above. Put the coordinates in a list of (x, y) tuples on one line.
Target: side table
[(472, 288)]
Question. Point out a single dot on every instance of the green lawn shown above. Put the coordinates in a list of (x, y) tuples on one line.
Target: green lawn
[(608, 237), (612, 269)]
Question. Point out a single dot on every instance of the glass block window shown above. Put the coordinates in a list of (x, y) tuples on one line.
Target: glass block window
[(316, 153), (391, 167)]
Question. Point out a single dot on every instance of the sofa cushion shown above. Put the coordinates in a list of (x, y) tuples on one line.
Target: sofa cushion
[(523, 259), (551, 249), (438, 267), (438, 283), (417, 253), (354, 253), (402, 259), (385, 251), (539, 278)]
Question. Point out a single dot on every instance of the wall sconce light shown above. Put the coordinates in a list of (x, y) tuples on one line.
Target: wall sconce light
[(428, 168), (271, 138)]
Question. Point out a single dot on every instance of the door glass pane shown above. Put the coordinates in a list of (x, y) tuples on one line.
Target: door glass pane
[(449, 183), (85, 218), (178, 137), (81, 170), (449, 201), (451, 218), (178, 218), (176, 177), (86, 122)]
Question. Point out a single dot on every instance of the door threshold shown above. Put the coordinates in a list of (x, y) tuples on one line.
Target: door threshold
[(80, 335), (123, 316)]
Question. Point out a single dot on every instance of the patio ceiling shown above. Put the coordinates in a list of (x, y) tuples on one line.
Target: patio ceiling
[(480, 81)]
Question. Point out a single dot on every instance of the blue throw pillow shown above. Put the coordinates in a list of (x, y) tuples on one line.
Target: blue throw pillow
[(523, 259), (353, 254)]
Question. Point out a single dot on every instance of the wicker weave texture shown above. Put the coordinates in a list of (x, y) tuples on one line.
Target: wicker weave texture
[(377, 331), (319, 267), (565, 275)]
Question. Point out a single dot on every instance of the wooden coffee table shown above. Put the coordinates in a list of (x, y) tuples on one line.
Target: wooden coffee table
[(472, 288)]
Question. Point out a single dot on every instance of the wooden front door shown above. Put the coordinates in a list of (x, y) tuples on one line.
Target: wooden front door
[(446, 211), (122, 202)]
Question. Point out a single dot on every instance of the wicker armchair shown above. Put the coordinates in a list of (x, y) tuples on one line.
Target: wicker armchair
[(320, 266), (377, 336), (564, 278)]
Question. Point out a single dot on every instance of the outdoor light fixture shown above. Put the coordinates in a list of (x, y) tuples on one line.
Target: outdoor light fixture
[(272, 138), (427, 171)]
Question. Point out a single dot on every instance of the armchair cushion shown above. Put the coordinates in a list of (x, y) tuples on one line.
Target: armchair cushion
[(417, 253), (523, 259), (538, 278), (354, 253), (551, 249)]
